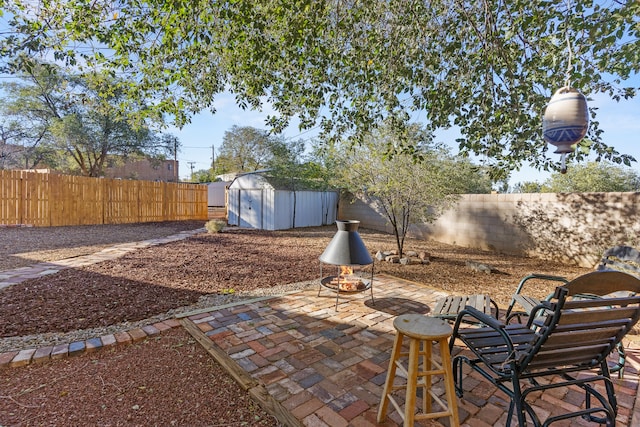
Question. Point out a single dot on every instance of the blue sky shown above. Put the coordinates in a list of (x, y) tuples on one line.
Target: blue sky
[(620, 122)]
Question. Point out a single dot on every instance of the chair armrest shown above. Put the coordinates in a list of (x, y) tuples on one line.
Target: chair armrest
[(488, 322), (541, 311), (521, 285), (481, 317)]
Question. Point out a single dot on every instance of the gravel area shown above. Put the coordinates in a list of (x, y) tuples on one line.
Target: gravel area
[(37, 340), (208, 270), (168, 380)]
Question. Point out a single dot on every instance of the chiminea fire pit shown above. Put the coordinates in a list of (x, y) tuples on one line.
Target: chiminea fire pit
[(348, 253)]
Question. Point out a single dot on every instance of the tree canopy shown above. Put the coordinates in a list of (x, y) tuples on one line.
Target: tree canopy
[(74, 123), (487, 68), (245, 149), (402, 190), (203, 175), (589, 177)]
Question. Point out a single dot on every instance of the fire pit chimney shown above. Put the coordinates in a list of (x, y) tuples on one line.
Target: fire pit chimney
[(346, 247), (346, 250)]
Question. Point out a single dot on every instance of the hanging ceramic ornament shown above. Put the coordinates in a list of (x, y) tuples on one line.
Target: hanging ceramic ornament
[(565, 121)]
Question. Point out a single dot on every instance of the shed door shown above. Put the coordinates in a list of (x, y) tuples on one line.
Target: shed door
[(251, 208)]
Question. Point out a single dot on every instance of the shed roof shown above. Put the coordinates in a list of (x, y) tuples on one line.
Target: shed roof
[(263, 179)]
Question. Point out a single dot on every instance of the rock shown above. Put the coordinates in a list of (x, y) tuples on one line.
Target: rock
[(426, 261), (410, 261), (380, 256), (424, 255), (411, 254), (404, 261), (478, 266), (393, 259)]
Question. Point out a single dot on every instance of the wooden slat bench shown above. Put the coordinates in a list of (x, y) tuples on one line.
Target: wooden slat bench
[(449, 307)]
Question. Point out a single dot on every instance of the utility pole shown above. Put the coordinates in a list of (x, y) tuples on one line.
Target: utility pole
[(191, 165), (213, 158), (175, 158)]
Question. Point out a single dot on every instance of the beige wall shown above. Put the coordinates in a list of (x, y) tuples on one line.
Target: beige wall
[(573, 228)]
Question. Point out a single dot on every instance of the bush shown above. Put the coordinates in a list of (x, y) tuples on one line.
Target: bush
[(215, 226)]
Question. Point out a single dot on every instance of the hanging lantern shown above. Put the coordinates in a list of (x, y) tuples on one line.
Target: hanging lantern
[(565, 121)]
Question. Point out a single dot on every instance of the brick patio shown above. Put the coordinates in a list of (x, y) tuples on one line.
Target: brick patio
[(327, 368)]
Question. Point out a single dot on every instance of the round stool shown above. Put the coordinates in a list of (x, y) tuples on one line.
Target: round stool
[(422, 331)]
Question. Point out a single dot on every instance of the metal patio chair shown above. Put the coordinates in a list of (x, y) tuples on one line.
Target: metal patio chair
[(565, 337), (618, 258)]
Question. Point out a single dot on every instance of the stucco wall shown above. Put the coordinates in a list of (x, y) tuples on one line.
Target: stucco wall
[(145, 170), (574, 228)]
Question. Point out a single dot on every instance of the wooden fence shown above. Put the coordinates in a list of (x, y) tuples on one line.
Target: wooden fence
[(44, 199)]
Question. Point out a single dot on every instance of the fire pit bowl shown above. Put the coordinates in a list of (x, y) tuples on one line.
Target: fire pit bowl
[(336, 283)]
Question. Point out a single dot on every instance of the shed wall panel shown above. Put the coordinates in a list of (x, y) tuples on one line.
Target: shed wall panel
[(329, 207), (269, 203), (282, 210), (311, 208), (253, 202), (308, 208), (233, 207)]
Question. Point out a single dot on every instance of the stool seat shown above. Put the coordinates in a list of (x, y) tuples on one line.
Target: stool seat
[(421, 331), (422, 327)]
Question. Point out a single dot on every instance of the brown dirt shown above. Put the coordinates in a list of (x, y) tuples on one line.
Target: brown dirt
[(163, 381), (153, 280)]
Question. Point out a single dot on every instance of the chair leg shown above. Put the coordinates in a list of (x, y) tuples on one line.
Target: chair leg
[(608, 385), (457, 374), (518, 402), (609, 404), (622, 358)]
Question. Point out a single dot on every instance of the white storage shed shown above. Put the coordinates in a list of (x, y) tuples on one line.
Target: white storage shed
[(216, 196), (255, 201)]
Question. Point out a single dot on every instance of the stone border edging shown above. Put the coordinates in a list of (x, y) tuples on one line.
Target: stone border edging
[(17, 358)]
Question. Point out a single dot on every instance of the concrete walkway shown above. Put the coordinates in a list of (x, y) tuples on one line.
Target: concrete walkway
[(12, 277)]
